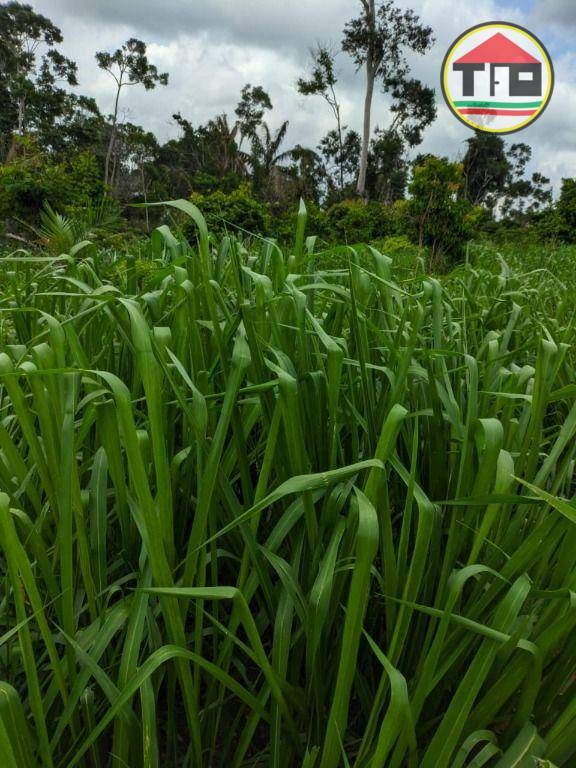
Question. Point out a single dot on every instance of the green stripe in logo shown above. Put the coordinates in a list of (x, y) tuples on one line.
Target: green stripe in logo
[(499, 104)]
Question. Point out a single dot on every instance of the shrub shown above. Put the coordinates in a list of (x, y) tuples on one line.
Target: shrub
[(437, 216), (206, 183), (566, 211), (34, 179), (238, 211), (356, 221)]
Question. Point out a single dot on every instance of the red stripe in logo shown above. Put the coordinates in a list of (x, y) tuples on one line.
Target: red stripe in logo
[(482, 111)]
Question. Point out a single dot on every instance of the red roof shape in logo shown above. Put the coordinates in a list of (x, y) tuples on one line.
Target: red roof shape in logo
[(498, 49)]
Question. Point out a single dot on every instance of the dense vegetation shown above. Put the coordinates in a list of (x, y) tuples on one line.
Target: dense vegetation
[(280, 484), (58, 149), (285, 507)]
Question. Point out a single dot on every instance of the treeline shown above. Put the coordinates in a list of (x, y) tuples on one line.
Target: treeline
[(59, 153)]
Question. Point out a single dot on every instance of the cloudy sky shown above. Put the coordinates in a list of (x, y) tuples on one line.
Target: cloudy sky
[(211, 48)]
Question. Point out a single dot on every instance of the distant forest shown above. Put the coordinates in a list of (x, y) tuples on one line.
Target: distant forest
[(59, 152)]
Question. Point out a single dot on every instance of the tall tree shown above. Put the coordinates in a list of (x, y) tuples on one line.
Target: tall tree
[(31, 70), (128, 65), (378, 40), (254, 101), (413, 108), (79, 127), (321, 81)]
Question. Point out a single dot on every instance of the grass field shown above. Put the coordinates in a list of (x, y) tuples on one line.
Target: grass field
[(265, 508)]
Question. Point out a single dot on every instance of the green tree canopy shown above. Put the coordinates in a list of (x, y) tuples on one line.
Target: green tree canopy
[(32, 74)]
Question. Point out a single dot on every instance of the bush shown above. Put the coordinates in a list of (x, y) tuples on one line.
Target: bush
[(206, 183), (437, 214), (34, 179), (238, 210), (566, 211), (356, 221), (555, 224)]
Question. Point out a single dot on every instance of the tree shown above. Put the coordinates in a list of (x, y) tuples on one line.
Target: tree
[(266, 156), (413, 109), (566, 210), (250, 109), (342, 155), (486, 169), (128, 65), (518, 188), (321, 81), (225, 152), (307, 173), (387, 173), (203, 159), (523, 195), (136, 149), (494, 176), (378, 40), (31, 68), (79, 128), (439, 213), (541, 193)]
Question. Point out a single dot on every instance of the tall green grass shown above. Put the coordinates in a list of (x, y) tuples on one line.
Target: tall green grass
[(257, 512)]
